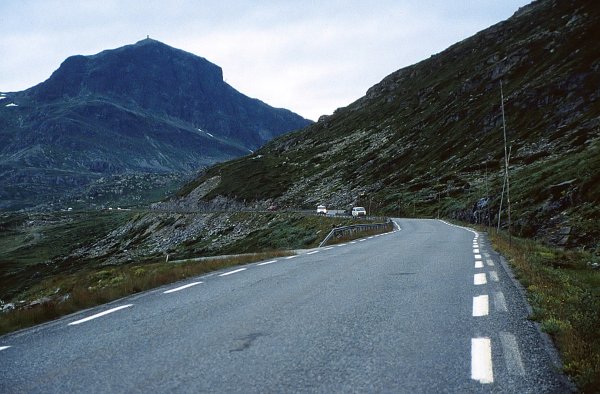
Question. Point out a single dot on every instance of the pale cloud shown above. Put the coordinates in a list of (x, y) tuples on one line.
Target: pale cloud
[(310, 57)]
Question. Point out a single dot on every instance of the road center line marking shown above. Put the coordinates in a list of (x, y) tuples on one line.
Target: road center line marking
[(494, 276), (97, 315), (481, 306), (481, 360), (489, 262), (4, 347), (478, 264), (479, 279), (233, 272), (500, 302), (267, 262), (512, 356), (313, 252), (181, 287)]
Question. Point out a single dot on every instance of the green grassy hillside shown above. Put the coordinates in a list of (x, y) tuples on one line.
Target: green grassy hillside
[(428, 139)]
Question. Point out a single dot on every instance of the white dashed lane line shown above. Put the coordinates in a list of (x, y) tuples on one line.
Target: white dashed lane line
[(481, 305), (481, 360), (4, 347), (500, 302), (512, 355), (478, 256), (313, 252), (97, 315), (494, 276), (479, 279), (478, 264), (267, 262), (291, 257), (328, 248), (233, 272), (181, 287)]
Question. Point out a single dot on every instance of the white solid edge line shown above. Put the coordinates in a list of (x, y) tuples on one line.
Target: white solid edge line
[(100, 314), (181, 287), (267, 262), (479, 279), (233, 272), (4, 347), (481, 306), (481, 360), (512, 355)]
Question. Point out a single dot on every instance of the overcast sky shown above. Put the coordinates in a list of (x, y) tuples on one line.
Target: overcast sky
[(308, 56)]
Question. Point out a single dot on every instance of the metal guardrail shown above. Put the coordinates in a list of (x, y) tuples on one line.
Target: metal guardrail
[(353, 229)]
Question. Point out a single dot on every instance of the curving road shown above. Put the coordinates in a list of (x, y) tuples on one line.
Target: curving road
[(429, 308)]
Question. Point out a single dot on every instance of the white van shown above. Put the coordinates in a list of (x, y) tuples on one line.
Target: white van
[(358, 211), (321, 210)]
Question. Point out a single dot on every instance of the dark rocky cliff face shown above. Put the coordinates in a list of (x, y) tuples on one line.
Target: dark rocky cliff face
[(142, 108)]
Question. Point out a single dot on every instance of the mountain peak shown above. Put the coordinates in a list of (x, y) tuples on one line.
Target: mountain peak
[(146, 68), (143, 107)]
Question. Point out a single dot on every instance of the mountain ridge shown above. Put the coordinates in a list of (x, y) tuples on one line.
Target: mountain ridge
[(427, 140), (142, 108)]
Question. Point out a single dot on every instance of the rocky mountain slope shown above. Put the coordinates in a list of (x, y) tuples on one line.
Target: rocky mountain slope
[(428, 140), (145, 108)]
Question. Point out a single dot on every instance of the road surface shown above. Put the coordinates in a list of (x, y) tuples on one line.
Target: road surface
[(428, 308)]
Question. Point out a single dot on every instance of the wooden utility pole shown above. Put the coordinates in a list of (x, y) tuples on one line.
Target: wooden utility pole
[(506, 177), (487, 196)]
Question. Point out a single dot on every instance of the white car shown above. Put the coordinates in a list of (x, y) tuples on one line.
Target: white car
[(321, 210), (358, 211)]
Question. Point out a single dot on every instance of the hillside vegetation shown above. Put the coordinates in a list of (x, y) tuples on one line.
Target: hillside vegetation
[(428, 139)]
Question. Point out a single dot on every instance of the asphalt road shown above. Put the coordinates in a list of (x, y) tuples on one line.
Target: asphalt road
[(429, 308)]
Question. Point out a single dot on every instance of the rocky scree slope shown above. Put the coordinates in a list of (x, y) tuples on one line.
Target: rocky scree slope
[(428, 139), (139, 109)]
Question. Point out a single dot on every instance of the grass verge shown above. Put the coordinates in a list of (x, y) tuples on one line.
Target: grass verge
[(94, 287), (564, 293)]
